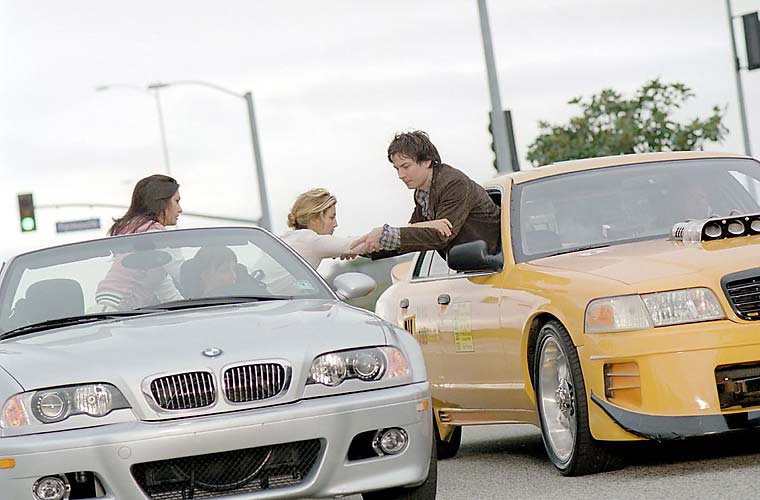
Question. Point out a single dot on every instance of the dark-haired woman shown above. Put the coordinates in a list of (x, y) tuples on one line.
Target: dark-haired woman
[(155, 205)]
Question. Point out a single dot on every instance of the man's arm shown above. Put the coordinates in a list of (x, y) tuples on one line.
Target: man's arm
[(384, 241), (453, 204)]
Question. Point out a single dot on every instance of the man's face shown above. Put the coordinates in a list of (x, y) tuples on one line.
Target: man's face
[(414, 175)]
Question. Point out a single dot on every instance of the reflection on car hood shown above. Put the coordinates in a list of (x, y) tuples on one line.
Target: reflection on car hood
[(653, 260), (125, 351)]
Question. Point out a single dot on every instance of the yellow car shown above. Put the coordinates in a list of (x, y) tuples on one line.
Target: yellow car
[(625, 305)]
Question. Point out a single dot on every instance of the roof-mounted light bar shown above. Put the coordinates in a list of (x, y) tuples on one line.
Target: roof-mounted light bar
[(718, 228)]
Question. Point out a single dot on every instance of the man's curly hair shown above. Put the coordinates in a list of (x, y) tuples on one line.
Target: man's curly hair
[(415, 145)]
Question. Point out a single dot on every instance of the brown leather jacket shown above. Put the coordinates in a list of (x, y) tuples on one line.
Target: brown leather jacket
[(456, 197)]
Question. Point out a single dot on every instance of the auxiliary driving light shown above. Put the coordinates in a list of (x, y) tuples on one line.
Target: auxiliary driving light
[(696, 231), (390, 441), (51, 488)]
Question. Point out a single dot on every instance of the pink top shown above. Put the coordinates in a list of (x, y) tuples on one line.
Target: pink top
[(139, 225), (124, 288)]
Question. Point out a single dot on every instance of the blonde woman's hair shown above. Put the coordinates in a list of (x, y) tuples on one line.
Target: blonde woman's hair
[(309, 205)]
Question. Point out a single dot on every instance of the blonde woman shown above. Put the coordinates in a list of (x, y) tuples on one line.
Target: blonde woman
[(313, 221)]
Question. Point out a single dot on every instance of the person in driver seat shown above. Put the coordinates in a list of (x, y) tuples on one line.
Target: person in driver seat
[(212, 271)]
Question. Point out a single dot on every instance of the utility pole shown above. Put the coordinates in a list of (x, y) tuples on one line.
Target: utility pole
[(739, 90), (498, 121), (162, 130), (265, 220)]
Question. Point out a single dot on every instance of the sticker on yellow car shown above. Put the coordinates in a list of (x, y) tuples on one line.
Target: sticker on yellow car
[(463, 328)]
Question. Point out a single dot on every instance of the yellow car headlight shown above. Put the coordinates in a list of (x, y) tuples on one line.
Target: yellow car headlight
[(683, 306), (636, 312)]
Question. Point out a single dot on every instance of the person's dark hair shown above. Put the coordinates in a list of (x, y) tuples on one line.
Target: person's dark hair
[(415, 145), (150, 198), (206, 259)]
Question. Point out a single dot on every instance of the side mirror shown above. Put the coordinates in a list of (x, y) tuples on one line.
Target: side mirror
[(474, 256), (353, 285)]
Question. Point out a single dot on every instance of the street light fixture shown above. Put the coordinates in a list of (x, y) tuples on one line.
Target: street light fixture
[(264, 221), (154, 94)]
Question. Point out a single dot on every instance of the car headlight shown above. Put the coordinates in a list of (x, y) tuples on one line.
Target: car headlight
[(683, 306), (369, 364), (636, 312), (55, 405)]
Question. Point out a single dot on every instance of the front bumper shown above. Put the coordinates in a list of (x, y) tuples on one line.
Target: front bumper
[(110, 451), (662, 428), (676, 368)]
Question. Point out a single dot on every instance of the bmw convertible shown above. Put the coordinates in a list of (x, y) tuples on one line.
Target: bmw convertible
[(203, 364)]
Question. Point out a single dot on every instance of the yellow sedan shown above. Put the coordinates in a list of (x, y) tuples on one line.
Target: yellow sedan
[(624, 305)]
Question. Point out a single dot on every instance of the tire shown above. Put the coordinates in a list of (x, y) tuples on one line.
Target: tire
[(424, 491), (448, 449), (563, 407)]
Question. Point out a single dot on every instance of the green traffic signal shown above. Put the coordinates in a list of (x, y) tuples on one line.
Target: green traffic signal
[(28, 224), (26, 212)]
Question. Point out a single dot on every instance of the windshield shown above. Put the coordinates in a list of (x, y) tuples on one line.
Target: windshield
[(128, 273), (615, 205)]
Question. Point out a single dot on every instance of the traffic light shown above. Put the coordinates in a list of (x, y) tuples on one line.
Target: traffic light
[(510, 141), (752, 38), (493, 142), (26, 212)]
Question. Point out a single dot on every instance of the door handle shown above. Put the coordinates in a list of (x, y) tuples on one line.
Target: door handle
[(404, 303), (444, 299)]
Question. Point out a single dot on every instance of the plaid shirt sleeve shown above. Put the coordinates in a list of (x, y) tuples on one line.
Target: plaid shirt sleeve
[(391, 238)]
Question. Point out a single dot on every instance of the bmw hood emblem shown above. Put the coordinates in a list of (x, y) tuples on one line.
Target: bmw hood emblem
[(212, 352)]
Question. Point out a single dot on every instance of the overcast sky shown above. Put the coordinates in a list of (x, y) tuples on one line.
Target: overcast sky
[(333, 80)]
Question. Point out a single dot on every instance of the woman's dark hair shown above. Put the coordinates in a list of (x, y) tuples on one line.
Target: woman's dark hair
[(415, 145), (150, 198)]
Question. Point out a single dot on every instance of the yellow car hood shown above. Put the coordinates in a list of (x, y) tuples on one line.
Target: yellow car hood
[(654, 260)]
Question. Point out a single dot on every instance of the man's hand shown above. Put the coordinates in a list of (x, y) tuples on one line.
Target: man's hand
[(443, 226), (371, 241), (349, 256)]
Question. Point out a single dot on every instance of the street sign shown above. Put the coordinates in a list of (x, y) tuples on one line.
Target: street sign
[(77, 225)]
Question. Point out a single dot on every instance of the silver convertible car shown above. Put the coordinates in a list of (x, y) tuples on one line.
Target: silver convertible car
[(198, 364)]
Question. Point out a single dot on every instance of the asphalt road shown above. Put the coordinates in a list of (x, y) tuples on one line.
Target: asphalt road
[(505, 462)]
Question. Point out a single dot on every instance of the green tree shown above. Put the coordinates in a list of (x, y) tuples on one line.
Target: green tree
[(611, 125)]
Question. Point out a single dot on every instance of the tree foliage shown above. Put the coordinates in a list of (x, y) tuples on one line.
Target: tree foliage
[(611, 125)]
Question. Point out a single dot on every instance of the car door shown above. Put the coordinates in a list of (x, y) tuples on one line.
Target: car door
[(481, 339), (472, 348)]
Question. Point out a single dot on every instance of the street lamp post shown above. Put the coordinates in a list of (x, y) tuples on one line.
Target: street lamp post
[(739, 89), (157, 99), (264, 221)]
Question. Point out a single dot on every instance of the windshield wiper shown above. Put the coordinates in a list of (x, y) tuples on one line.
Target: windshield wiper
[(213, 301), (74, 320), (580, 249)]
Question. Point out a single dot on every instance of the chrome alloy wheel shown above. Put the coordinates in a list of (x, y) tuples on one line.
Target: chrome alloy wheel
[(557, 399)]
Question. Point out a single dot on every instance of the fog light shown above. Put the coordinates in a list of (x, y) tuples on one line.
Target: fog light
[(52, 488), (391, 441)]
